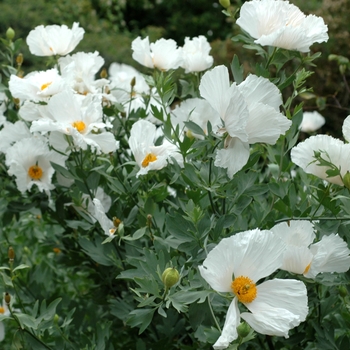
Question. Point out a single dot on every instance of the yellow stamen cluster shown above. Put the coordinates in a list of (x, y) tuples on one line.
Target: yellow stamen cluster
[(150, 157), (44, 86), (2, 310), (35, 172), (79, 125), (244, 288), (307, 268)]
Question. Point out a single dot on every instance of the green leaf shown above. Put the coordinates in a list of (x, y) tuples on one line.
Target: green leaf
[(21, 267), (237, 70), (27, 321), (140, 318)]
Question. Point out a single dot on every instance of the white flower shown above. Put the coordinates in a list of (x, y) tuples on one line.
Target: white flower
[(281, 24), (80, 69), (330, 254), (331, 149), (100, 215), (346, 128), (197, 110), (80, 117), (12, 133), (131, 97), (235, 266), (4, 310), (29, 161), (147, 155), (250, 112), (312, 121), (196, 56), (54, 40), (163, 54), (37, 86)]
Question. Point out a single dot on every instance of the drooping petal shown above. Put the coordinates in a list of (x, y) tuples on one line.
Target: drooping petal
[(271, 321), (229, 332), (233, 157)]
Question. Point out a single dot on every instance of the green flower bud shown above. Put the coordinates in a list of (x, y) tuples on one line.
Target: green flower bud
[(11, 254), (243, 329), (10, 33), (56, 318), (225, 3), (170, 276), (343, 292), (346, 180)]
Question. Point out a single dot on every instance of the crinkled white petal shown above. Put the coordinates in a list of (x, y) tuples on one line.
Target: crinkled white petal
[(295, 232), (101, 217), (281, 24), (165, 54), (265, 124), (256, 254), (284, 294), (12, 133), (229, 332), (54, 40), (258, 89), (296, 259), (331, 254), (142, 52), (233, 157), (226, 100), (331, 149)]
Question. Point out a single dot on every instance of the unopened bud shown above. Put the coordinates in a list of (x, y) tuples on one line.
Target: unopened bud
[(225, 3), (170, 276), (11, 254), (19, 59), (116, 222), (10, 33), (104, 73), (149, 220), (343, 292), (243, 329), (7, 298), (133, 82), (346, 180), (56, 318)]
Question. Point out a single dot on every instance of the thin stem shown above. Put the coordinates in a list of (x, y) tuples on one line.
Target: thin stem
[(212, 313), (313, 218)]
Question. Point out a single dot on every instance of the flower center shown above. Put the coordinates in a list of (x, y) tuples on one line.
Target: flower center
[(112, 231), (307, 268), (35, 172), (44, 86), (244, 288), (150, 157), (79, 125), (2, 310)]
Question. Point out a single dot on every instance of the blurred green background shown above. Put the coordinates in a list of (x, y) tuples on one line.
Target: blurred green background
[(111, 25)]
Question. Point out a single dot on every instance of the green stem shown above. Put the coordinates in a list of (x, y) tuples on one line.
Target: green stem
[(212, 313)]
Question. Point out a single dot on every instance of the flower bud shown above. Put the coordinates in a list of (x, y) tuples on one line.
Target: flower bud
[(7, 298), (104, 73), (346, 180), (19, 59), (133, 82), (10, 33), (243, 329), (225, 3), (56, 318), (11, 254), (116, 222), (170, 276), (343, 292)]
